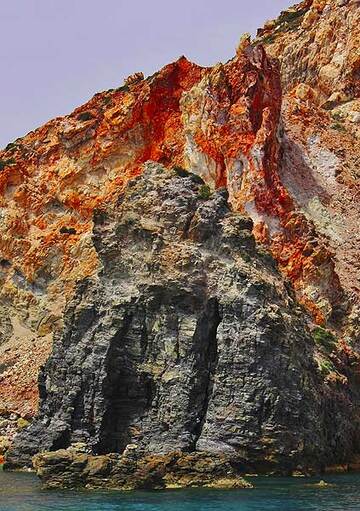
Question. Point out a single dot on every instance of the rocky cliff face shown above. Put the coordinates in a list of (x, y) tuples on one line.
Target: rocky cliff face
[(282, 138), (187, 340), (317, 44), (54, 178)]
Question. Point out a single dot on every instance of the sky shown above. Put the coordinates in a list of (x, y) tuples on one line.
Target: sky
[(56, 54)]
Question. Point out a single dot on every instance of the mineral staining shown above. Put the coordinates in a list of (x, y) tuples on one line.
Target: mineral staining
[(190, 242)]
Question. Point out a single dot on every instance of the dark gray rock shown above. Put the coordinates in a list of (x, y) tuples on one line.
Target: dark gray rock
[(187, 340)]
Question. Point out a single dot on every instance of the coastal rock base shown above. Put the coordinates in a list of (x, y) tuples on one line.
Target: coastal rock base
[(67, 468)]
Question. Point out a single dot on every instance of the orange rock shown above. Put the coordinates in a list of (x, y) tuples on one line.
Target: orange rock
[(231, 124)]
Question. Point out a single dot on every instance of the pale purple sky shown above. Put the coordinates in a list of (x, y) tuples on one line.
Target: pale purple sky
[(55, 54)]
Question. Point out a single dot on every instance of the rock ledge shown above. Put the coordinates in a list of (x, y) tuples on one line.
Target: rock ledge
[(67, 468)]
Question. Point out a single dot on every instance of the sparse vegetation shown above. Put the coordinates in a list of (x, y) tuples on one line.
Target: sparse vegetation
[(338, 127), (269, 39), (336, 116), (289, 20), (326, 367), (10, 147), (204, 192), (22, 423), (324, 339), (7, 163), (123, 88), (181, 172), (85, 116), (330, 374), (151, 77), (196, 179), (291, 16), (245, 257)]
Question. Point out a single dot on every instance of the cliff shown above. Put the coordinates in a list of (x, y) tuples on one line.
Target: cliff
[(277, 127), (317, 44), (188, 340)]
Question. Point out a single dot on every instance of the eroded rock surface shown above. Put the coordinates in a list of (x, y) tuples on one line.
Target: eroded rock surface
[(178, 333), (69, 469), (289, 161), (317, 43), (188, 339)]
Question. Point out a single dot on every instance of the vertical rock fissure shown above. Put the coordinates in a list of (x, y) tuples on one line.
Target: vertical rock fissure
[(213, 319), (117, 367)]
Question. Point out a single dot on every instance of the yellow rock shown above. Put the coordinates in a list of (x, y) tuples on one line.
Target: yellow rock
[(337, 469), (228, 483), (245, 41), (305, 93), (322, 484), (310, 18), (329, 72), (22, 423)]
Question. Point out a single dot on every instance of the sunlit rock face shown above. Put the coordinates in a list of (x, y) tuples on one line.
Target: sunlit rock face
[(279, 155), (317, 44)]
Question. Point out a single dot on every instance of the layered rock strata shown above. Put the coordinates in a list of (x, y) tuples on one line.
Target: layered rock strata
[(179, 335)]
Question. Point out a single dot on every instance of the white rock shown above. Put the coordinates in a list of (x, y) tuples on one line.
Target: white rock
[(354, 117)]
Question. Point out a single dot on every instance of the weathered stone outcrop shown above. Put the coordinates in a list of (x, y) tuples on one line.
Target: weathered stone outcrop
[(187, 340), (69, 469), (317, 43)]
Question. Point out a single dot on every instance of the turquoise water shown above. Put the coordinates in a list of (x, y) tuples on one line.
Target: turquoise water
[(21, 492)]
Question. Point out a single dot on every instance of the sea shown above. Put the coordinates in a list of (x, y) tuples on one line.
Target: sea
[(23, 492)]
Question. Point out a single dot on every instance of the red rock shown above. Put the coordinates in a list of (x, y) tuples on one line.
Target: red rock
[(223, 123)]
